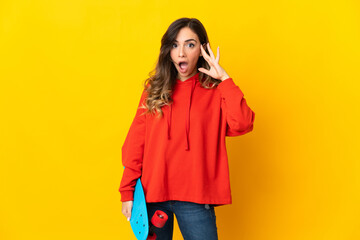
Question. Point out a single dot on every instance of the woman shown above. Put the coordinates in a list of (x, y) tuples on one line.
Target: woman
[(176, 142)]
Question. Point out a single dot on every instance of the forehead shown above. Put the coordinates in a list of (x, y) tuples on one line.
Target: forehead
[(185, 34)]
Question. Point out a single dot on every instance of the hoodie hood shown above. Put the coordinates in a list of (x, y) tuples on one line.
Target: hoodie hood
[(189, 85)]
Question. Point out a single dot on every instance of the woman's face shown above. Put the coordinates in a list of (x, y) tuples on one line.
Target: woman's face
[(185, 52)]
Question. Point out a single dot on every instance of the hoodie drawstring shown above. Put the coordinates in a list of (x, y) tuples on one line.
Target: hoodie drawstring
[(169, 121), (187, 124), (188, 116)]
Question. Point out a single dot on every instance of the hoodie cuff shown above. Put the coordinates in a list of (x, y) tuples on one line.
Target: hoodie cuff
[(127, 196), (228, 86)]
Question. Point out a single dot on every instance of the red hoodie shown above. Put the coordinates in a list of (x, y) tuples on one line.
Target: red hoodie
[(182, 156)]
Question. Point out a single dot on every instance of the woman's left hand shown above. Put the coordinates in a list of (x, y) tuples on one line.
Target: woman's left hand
[(215, 71)]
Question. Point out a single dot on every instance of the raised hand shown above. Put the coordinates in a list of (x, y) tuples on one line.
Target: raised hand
[(215, 71)]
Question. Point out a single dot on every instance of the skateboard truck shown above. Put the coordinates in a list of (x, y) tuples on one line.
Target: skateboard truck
[(158, 220)]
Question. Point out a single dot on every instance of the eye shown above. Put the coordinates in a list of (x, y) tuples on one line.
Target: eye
[(173, 45), (191, 44)]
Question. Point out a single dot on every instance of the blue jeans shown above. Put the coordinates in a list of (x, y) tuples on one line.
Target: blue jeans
[(196, 221)]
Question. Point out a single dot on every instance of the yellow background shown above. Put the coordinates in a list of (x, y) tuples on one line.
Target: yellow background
[(71, 76)]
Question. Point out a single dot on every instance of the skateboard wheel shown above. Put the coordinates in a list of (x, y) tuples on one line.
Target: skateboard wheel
[(151, 237), (159, 218)]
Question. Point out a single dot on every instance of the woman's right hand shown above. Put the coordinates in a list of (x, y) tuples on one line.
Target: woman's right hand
[(126, 209)]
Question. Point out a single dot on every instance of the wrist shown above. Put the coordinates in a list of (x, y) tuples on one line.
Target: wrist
[(224, 77)]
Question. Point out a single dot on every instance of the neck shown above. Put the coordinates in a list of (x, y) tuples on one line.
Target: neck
[(183, 78)]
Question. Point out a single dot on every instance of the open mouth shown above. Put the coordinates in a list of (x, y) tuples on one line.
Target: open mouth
[(183, 66)]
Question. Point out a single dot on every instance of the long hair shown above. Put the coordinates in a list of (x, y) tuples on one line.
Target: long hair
[(162, 79)]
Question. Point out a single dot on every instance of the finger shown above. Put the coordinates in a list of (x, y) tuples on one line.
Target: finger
[(217, 55), (205, 55), (210, 51), (128, 216), (204, 71)]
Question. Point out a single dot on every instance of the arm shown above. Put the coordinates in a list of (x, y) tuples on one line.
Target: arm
[(132, 153), (239, 116)]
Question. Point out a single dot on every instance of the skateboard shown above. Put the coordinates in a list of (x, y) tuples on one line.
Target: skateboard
[(139, 216)]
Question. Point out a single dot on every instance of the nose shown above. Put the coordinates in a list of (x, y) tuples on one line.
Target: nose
[(181, 51)]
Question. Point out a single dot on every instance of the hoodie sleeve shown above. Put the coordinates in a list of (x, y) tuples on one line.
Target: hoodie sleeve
[(239, 116), (132, 153)]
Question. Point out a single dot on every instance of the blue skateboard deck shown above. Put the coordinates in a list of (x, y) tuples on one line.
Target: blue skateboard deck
[(139, 217)]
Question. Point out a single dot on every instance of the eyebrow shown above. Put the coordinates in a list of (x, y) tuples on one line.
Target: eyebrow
[(187, 40)]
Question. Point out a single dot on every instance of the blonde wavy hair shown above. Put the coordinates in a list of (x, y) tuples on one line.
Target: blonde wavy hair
[(160, 84)]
